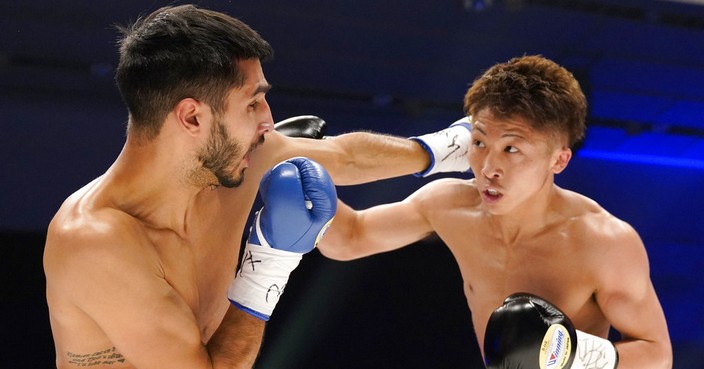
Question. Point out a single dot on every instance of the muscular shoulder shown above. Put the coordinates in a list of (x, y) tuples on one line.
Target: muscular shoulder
[(448, 193), (589, 219), (89, 239), (608, 240)]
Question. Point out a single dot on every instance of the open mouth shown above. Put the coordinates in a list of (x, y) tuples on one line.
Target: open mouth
[(492, 195)]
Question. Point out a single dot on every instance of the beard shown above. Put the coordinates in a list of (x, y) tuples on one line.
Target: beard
[(221, 153)]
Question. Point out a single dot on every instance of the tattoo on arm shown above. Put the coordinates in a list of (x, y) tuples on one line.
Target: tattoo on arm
[(105, 357)]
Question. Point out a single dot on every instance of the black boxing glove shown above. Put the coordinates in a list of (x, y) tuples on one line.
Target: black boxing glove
[(306, 126), (529, 332)]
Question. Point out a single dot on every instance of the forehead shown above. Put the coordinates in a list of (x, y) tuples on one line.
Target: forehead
[(254, 81), (489, 124)]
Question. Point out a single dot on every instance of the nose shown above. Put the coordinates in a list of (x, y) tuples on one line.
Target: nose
[(491, 167), (267, 121), (265, 127)]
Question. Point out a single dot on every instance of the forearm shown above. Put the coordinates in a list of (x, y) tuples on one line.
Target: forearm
[(338, 244), (237, 341), (365, 157), (382, 228), (644, 354)]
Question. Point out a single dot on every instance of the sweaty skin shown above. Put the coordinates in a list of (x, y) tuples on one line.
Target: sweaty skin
[(138, 261), (511, 229)]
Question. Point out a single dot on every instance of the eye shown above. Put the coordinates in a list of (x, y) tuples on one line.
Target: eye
[(511, 149), (478, 143), (254, 105)]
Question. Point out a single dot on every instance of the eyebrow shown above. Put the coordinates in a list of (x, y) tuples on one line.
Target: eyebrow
[(263, 88), (516, 135)]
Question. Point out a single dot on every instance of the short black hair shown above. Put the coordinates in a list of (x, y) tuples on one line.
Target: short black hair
[(180, 52)]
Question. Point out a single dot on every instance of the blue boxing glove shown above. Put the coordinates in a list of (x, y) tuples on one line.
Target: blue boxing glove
[(448, 148), (299, 204)]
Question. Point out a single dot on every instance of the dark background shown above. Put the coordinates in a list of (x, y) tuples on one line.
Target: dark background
[(399, 67)]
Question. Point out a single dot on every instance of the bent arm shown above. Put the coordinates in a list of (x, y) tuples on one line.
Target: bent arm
[(236, 342), (120, 285), (628, 300)]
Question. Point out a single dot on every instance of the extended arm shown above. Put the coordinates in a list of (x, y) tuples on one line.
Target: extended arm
[(354, 158), (628, 300), (355, 234), (362, 157)]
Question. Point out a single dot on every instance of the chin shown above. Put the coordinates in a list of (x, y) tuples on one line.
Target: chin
[(496, 209), (232, 181)]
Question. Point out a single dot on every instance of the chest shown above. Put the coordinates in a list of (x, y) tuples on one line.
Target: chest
[(556, 265), (550, 266), (201, 267)]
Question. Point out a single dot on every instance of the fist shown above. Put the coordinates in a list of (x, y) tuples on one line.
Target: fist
[(299, 204)]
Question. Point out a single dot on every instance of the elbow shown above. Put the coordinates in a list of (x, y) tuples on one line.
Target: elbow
[(655, 355), (666, 361), (663, 361), (663, 358)]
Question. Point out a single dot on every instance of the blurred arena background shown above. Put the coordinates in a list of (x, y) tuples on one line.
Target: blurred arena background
[(393, 66)]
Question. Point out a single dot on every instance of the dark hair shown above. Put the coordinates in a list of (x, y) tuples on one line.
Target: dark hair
[(533, 88), (179, 52)]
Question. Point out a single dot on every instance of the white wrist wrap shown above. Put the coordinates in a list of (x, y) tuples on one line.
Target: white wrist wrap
[(594, 352), (262, 277), (448, 148)]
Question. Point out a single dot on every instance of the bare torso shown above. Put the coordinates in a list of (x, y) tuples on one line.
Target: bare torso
[(199, 267), (558, 262)]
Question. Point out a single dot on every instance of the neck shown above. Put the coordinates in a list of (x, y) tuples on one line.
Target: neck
[(527, 219), (150, 182)]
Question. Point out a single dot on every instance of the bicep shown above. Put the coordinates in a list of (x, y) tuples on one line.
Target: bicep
[(626, 294)]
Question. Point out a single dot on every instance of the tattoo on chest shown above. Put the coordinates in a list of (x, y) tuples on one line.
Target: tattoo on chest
[(105, 357)]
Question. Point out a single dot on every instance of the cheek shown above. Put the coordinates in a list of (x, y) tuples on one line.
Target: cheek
[(522, 170), (530, 174), (523, 162), (530, 166), (241, 130), (475, 156)]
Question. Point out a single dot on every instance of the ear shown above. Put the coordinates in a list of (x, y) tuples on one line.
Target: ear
[(192, 116), (561, 158)]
